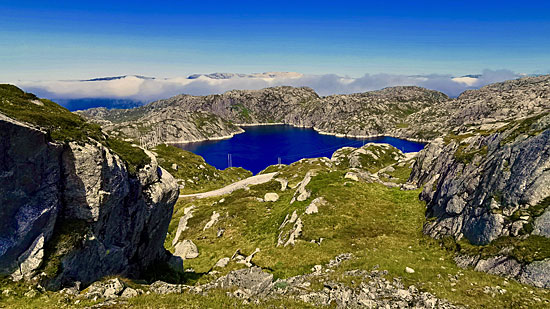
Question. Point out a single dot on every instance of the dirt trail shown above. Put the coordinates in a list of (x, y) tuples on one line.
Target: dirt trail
[(254, 180)]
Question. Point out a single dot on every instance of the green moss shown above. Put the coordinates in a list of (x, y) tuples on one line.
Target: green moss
[(135, 157), (520, 127), (243, 112), (64, 126), (60, 124), (465, 156), (532, 248), (67, 236)]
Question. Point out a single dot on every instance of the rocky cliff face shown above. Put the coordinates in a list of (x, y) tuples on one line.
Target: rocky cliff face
[(72, 211), (490, 185)]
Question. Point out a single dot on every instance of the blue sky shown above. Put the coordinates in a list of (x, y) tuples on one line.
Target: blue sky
[(43, 40)]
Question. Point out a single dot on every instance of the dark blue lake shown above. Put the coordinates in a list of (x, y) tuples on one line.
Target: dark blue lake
[(262, 146)]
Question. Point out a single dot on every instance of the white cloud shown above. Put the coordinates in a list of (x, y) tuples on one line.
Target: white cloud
[(132, 87)]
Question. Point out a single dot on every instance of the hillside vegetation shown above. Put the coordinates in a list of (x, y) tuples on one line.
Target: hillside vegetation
[(62, 125)]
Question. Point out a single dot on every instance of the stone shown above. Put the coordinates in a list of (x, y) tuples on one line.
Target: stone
[(499, 265), (537, 274), (182, 224), (409, 270), (295, 233), (186, 250), (163, 288), (313, 207), (252, 279), (248, 260), (32, 259), (213, 220), (351, 176), (174, 166), (221, 263), (129, 293), (541, 225), (283, 182), (271, 197), (301, 193)]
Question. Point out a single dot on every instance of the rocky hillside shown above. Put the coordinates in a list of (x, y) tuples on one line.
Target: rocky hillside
[(490, 185), (383, 112), (505, 101), (150, 127), (408, 112), (344, 231), (75, 205)]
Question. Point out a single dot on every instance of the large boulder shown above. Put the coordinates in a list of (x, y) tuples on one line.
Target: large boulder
[(74, 212)]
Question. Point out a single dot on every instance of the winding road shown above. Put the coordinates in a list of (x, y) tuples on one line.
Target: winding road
[(254, 180)]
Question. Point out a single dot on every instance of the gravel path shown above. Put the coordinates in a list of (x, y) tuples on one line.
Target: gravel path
[(254, 180)]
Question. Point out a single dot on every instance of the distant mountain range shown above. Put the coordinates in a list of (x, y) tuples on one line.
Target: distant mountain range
[(101, 79), (268, 75), (126, 91)]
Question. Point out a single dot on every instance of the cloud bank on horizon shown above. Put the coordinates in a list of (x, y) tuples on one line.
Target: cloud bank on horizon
[(144, 89)]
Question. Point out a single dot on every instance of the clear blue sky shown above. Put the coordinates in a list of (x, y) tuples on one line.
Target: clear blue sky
[(82, 39)]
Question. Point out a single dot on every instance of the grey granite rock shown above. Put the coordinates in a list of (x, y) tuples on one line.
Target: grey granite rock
[(186, 250), (122, 219)]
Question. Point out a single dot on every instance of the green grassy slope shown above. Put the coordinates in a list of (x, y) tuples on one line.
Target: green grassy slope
[(63, 126), (378, 225)]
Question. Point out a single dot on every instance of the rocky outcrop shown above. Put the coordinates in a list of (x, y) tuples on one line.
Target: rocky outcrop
[(73, 212), (490, 183), (151, 127), (371, 289), (30, 172), (478, 185)]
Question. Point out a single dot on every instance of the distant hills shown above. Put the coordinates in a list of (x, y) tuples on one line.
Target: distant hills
[(126, 91)]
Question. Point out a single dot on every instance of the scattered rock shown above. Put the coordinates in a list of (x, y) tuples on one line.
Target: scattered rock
[(161, 287), (313, 207), (271, 197), (213, 220), (182, 224), (409, 270), (352, 176), (221, 263), (186, 250), (31, 294), (252, 280), (129, 293), (111, 288)]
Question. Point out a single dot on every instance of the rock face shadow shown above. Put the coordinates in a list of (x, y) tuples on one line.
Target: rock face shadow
[(74, 212)]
